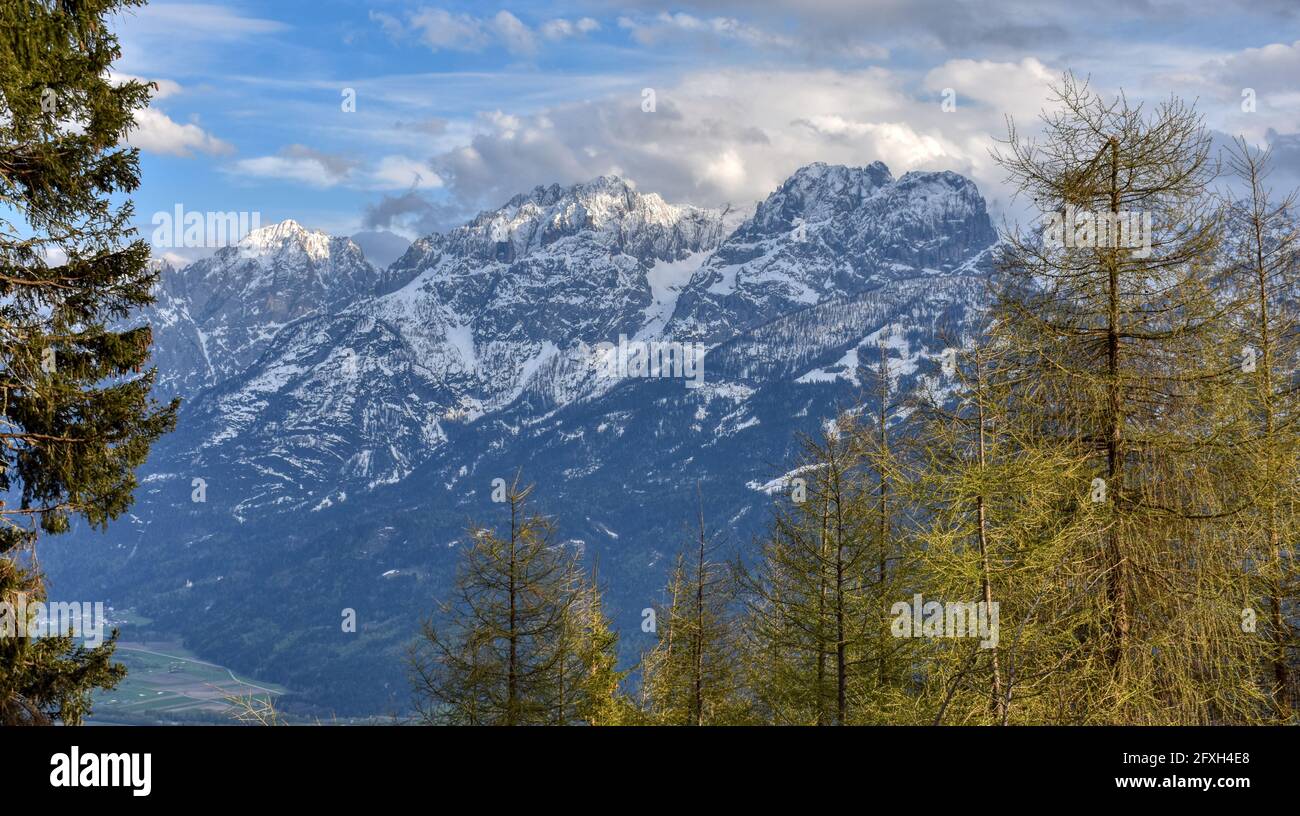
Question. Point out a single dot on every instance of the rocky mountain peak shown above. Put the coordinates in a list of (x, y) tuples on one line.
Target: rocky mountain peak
[(287, 235), (818, 192)]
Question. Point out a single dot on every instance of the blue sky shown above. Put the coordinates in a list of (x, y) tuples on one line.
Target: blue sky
[(459, 106)]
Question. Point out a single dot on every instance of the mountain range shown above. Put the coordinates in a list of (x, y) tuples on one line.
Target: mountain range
[(342, 423)]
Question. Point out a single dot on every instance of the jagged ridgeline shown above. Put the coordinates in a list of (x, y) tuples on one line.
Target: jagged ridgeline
[(347, 421)]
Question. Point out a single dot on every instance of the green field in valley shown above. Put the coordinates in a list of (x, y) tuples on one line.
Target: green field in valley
[(166, 683)]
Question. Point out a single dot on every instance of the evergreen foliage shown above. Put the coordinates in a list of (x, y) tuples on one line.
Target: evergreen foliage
[(76, 418)]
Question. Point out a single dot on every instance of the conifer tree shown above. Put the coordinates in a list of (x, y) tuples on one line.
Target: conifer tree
[(809, 619), (523, 640), (75, 414), (891, 570), (588, 676), (1122, 346), (1000, 511), (692, 675), (1263, 270)]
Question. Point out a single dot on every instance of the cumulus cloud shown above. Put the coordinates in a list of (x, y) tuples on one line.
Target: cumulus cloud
[(389, 24), (898, 139), (163, 87), (1271, 67), (561, 29), (1247, 92), (517, 37), (441, 30), (733, 136), (397, 172), (155, 132), (335, 166), (1265, 77), (1018, 89), (300, 169)]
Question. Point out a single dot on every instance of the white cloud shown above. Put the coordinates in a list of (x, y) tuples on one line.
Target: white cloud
[(726, 172), (560, 29), (166, 87), (208, 20), (188, 38), (897, 139), (1218, 82), (734, 135), (402, 173), (503, 124), (680, 28), (441, 30), (1019, 89), (1272, 67), (667, 26), (315, 168), (155, 132), (517, 37), (390, 24), (299, 169), (938, 25), (1268, 72)]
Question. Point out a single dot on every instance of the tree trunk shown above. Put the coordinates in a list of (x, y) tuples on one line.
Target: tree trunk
[(1115, 582)]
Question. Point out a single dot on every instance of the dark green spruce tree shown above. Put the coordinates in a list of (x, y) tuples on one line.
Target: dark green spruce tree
[(76, 418)]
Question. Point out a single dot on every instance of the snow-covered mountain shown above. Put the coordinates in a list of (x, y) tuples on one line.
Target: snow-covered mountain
[(214, 318), (349, 391), (348, 421), (833, 232)]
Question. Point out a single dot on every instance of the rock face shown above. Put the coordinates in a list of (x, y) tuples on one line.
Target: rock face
[(347, 421), (833, 232), (214, 317)]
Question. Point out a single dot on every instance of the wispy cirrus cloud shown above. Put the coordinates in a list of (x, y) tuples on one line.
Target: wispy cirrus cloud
[(187, 39), (681, 29), (210, 21)]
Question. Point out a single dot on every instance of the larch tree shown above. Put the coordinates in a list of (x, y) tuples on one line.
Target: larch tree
[(1123, 345), (692, 675), (807, 620), (889, 567), (998, 513), (588, 680), (1263, 272), (502, 651)]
